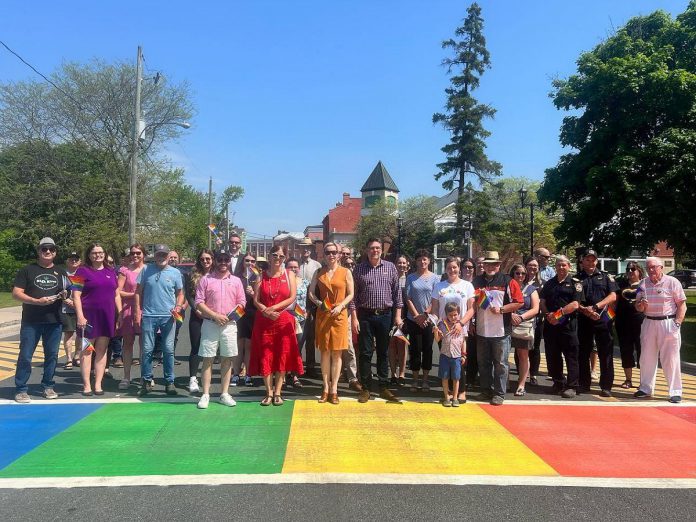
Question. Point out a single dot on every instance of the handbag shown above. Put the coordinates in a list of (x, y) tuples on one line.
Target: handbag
[(524, 330)]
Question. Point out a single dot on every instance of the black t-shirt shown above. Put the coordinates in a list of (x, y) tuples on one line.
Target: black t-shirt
[(557, 294), (38, 282), (596, 286)]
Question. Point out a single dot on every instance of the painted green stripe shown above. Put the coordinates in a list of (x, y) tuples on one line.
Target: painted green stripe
[(164, 439)]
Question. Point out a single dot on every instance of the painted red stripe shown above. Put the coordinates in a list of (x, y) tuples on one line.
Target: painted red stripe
[(592, 441)]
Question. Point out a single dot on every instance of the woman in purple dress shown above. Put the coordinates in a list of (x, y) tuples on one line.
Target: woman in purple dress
[(96, 305)]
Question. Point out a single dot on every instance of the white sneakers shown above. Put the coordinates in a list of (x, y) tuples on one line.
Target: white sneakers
[(193, 385), (203, 402), (225, 399)]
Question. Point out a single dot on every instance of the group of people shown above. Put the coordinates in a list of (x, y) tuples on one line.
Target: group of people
[(254, 316)]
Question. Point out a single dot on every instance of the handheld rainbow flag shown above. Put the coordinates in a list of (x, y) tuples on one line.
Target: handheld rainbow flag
[(298, 312), (87, 347), (237, 313), (177, 316), (76, 283), (254, 271), (558, 315), (398, 334), (482, 299), (326, 304), (213, 229), (608, 314)]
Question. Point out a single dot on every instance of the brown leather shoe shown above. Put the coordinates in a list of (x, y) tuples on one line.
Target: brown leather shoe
[(389, 396), (355, 386), (323, 397), (364, 395), (333, 398)]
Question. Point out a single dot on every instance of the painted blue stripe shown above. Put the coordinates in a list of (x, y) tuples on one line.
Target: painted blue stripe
[(23, 428)]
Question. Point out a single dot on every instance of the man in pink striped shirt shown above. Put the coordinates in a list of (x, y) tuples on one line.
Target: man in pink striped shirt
[(661, 298), (217, 295)]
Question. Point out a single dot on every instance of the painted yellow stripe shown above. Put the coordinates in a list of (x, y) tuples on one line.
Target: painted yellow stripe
[(409, 438)]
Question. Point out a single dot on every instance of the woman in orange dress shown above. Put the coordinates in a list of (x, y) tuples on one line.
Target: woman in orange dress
[(335, 285), (273, 343)]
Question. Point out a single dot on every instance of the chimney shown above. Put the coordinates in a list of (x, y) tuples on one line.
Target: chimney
[(346, 198)]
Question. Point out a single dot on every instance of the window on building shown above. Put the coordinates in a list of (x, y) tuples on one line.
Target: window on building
[(371, 201)]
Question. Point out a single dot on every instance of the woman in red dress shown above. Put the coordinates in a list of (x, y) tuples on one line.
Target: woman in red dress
[(274, 348)]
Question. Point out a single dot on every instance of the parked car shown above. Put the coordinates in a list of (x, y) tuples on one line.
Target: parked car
[(686, 277), (185, 268)]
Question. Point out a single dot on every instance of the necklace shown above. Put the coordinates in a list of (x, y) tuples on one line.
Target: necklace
[(273, 281)]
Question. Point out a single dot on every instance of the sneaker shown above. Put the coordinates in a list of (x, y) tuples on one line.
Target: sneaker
[(193, 385), (363, 395), (640, 394), (118, 362), (296, 382), (568, 393), (605, 393), (595, 376), (446, 403), (675, 399), (248, 381), (455, 403), (22, 398), (48, 393), (170, 389), (497, 400), (235, 380), (227, 400), (123, 385), (203, 402), (147, 387)]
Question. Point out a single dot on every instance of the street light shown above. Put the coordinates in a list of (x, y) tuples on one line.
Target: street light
[(523, 203), (137, 135), (399, 224)]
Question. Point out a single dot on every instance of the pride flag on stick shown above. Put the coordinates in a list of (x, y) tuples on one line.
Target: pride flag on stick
[(76, 283), (326, 304), (608, 314), (177, 316), (398, 334), (558, 315), (298, 312), (236, 314), (87, 347), (482, 299)]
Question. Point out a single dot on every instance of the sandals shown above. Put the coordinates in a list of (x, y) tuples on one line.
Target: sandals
[(333, 398), (135, 362), (266, 401), (627, 384), (68, 365), (277, 400), (324, 397), (520, 392)]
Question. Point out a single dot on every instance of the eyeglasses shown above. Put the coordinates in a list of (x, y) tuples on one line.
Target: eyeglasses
[(48, 249), (96, 253), (205, 259), (222, 259), (252, 261), (468, 267), (545, 257), (631, 269), (331, 252), (276, 255), (520, 273), (235, 242), (136, 253)]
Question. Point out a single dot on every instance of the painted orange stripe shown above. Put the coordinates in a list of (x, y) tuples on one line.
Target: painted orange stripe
[(687, 414), (592, 441)]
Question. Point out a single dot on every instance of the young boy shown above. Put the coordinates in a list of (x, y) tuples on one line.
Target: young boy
[(452, 354)]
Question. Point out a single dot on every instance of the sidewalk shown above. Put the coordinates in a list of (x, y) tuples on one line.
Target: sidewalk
[(10, 316)]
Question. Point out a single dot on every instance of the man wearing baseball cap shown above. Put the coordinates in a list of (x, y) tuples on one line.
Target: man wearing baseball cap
[(159, 297), (40, 287)]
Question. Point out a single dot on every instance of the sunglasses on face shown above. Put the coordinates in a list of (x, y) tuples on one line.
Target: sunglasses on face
[(235, 242), (223, 260), (48, 249), (204, 259), (468, 267), (136, 253), (277, 256), (520, 273), (331, 252), (252, 261)]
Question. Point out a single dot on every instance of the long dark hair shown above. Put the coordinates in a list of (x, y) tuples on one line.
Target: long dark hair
[(199, 270), (88, 251)]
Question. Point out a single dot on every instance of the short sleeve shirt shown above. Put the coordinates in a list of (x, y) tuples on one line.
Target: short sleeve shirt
[(557, 294), (596, 287), (501, 290), (453, 345), (663, 296), (38, 282), (459, 293), (159, 289), (419, 289)]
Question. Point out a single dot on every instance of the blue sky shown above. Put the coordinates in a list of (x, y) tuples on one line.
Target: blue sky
[(297, 100)]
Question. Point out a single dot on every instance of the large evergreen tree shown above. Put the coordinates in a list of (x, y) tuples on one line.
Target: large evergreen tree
[(463, 116), (631, 178)]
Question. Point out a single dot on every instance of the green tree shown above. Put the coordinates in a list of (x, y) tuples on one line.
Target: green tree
[(463, 116), (629, 180)]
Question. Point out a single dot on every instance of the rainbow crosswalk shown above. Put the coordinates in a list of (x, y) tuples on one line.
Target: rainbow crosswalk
[(136, 440)]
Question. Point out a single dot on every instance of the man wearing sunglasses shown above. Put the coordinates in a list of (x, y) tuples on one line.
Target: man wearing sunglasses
[(236, 264), (40, 288)]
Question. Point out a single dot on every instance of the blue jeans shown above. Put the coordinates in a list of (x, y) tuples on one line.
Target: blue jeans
[(150, 325), (29, 336), (492, 354)]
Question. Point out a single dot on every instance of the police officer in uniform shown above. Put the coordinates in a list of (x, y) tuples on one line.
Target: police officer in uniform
[(560, 298), (594, 326)]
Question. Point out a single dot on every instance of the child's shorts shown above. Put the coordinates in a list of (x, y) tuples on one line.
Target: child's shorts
[(450, 368)]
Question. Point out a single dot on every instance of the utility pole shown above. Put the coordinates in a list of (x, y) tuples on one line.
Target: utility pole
[(227, 219), (210, 212), (136, 149)]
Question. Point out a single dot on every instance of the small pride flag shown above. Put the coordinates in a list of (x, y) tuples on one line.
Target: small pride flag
[(254, 271), (77, 282), (298, 312), (87, 347), (398, 334), (213, 229), (608, 314), (237, 313), (482, 300), (326, 304), (558, 315), (177, 316)]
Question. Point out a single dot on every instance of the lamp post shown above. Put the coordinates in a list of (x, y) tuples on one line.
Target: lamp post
[(399, 224), (523, 203)]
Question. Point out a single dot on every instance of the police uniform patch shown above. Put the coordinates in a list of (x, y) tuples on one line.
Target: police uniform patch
[(611, 278), (578, 287)]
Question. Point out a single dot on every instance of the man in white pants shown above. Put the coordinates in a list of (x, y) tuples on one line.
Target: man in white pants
[(661, 298), (218, 294)]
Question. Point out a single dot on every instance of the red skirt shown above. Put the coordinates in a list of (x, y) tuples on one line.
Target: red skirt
[(274, 346)]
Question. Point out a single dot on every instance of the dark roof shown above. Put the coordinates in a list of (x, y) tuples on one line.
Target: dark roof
[(379, 180), (447, 199)]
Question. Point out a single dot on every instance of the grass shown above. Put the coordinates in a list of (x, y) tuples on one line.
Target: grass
[(6, 300), (688, 351)]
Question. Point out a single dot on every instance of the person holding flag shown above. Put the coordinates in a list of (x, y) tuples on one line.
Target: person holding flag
[(559, 299), (498, 296), (335, 285), (221, 300), (595, 324)]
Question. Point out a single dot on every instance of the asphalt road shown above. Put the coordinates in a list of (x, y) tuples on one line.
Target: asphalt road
[(347, 502)]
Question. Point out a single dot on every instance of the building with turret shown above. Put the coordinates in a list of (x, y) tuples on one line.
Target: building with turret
[(379, 186)]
